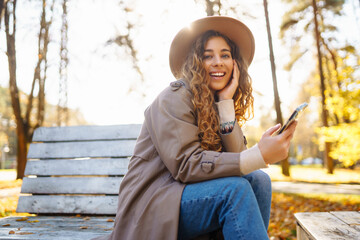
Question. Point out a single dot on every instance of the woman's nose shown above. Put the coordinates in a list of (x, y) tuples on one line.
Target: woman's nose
[(218, 61)]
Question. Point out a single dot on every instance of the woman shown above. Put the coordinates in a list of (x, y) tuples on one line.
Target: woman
[(191, 173)]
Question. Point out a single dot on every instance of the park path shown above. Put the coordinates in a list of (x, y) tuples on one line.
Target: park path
[(303, 187)]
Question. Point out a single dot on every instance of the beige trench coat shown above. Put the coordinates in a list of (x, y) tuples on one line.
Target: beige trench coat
[(167, 156)]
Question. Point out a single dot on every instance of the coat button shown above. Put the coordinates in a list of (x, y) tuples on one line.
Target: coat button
[(207, 167), (176, 85)]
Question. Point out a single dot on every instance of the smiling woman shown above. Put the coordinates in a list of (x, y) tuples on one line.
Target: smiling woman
[(191, 173)]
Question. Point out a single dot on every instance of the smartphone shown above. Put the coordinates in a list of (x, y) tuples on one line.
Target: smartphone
[(294, 116)]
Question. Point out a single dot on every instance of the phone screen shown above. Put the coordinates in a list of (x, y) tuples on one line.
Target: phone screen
[(294, 116)]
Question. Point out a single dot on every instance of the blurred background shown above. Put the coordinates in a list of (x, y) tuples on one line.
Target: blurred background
[(96, 62)]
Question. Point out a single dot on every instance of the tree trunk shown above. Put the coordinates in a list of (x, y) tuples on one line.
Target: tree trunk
[(327, 159), (2, 8), (22, 142), (14, 92), (285, 162), (24, 129)]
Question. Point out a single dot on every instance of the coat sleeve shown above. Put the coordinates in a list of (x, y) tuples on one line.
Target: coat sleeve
[(234, 141), (171, 123)]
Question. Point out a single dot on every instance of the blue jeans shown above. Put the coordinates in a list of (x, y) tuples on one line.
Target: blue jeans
[(240, 206)]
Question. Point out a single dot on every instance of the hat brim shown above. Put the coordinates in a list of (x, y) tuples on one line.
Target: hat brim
[(238, 32)]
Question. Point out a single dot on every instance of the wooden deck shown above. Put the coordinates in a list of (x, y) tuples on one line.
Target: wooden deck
[(341, 225)]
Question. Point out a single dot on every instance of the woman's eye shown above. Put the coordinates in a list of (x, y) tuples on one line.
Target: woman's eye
[(226, 56), (207, 56)]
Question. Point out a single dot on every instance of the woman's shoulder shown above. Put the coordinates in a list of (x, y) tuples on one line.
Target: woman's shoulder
[(178, 92), (175, 101)]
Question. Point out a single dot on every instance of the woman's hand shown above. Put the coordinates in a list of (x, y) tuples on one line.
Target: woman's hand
[(276, 148), (229, 90)]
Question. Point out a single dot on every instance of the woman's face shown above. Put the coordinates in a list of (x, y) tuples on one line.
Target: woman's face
[(218, 63)]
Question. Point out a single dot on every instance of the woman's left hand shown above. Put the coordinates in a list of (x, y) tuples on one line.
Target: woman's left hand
[(229, 90)]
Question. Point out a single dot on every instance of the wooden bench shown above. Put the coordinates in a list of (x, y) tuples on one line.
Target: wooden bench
[(340, 225), (72, 182)]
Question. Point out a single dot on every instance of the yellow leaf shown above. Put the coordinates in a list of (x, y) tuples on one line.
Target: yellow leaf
[(22, 219), (35, 221), (110, 220), (6, 225), (83, 227), (12, 232), (25, 233)]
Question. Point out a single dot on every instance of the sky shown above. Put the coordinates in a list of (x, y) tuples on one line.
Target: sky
[(100, 75)]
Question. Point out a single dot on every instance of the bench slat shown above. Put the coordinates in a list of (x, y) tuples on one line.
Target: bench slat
[(325, 226), (100, 205), (116, 148), (349, 217), (43, 227), (106, 166), (81, 133), (71, 185)]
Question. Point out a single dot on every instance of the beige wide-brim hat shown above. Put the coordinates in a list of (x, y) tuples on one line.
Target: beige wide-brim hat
[(237, 31)]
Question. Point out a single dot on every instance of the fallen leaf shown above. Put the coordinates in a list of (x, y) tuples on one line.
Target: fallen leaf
[(83, 227), (12, 232), (35, 221), (86, 218), (110, 220), (108, 229), (22, 219), (19, 229), (25, 233), (77, 215), (6, 225)]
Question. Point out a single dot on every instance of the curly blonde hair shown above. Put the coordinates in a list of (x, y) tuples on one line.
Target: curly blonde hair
[(204, 100)]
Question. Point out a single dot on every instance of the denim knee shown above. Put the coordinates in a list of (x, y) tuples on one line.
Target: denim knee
[(235, 186), (260, 179)]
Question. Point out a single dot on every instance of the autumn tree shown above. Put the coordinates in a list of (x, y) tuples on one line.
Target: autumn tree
[(25, 124), (309, 15), (125, 40), (285, 162)]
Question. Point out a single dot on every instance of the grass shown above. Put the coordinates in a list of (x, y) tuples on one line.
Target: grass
[(314, 174)]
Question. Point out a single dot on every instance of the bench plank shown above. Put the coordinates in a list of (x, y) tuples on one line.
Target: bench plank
[(100, 205), (106, 166), (71, 185), (64, 228), (325, 226), (114, 148), (349, 217), (81, 133)]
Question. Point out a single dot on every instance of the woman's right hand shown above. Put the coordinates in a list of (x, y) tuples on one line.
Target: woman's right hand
[(276, 148)]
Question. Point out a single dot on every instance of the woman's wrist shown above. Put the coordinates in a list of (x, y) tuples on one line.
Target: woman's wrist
[(226, 110), (251, 160)]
